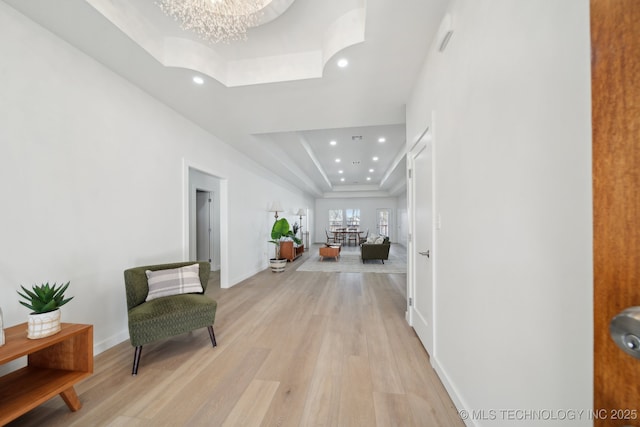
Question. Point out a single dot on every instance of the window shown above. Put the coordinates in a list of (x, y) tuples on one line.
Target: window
[(353, 217), (335, 219), (383, 222)]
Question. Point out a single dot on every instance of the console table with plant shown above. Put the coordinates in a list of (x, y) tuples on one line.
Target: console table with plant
[(281, 233), (290, 251)]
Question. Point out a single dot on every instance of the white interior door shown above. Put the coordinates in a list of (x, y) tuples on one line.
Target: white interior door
[(422, 292)]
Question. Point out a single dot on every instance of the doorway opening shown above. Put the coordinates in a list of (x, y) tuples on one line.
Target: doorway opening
[(204, 222), (206, 204)]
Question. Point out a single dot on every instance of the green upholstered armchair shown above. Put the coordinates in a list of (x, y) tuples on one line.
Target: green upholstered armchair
[(375, 250), (166, 316)]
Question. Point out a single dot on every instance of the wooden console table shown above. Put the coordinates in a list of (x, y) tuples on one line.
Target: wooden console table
[(289, 251), (54, 365)]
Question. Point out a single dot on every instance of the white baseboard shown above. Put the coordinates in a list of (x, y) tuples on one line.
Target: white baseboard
[(114, 340), (245, 276), (453, 391)]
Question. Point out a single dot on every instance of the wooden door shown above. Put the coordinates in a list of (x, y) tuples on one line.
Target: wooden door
[(615, 45)]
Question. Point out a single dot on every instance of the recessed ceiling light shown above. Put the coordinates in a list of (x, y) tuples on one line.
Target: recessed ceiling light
[(332, 142), (343, 62), (337, 160), (382, 139), (340, 171), (375, 159), (198, 80), (368, 178), (341, 179), (370, 170)]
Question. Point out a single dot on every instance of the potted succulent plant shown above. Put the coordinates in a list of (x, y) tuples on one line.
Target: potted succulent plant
[(279, 232), (44, 301)]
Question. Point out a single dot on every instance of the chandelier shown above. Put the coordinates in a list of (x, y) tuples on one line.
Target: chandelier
[(215, 20)]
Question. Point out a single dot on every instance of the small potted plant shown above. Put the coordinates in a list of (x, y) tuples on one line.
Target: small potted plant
[(280, 231), (44, 301)]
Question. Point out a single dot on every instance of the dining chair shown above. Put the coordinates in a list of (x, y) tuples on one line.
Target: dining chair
[(330, 238), (353, 237)]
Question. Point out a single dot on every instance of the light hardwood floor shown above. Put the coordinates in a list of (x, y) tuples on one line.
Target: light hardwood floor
[(294, 349)]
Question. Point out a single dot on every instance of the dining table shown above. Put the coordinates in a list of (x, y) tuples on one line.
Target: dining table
[(346, 236)]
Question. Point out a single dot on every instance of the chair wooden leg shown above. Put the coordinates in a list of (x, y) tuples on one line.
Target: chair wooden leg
[(136, 360), (212, 335)]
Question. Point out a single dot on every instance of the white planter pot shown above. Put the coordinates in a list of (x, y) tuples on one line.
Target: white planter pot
[(43, 325), (277, 265)]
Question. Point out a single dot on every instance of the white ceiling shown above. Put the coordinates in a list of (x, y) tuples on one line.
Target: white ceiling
[(278, 97)]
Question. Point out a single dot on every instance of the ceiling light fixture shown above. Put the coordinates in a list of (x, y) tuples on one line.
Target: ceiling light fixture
[(341, 179), (198, 80), (382, 139), (337, 160), (333, 142), (368, 178), (215, 20), (343, 62), (375, 159), (370, 170), (340, 171)]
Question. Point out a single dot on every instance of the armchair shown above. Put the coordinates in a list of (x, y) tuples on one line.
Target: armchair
[(375, 250), (175, 305)]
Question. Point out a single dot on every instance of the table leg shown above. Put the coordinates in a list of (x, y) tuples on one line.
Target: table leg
[(71, 399)]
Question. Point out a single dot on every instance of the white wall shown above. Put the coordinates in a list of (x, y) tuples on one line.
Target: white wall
[(512, 137), (92, 181), (367, 206)]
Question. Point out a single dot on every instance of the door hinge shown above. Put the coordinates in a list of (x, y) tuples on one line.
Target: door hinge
[(410, 302)]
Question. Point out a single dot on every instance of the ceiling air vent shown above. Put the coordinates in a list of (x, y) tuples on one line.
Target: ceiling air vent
[(356, 138)]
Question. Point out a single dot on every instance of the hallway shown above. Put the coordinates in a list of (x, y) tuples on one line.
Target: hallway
[(294, 349)]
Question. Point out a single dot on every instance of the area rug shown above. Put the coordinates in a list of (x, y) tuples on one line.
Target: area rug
[(350, 262)]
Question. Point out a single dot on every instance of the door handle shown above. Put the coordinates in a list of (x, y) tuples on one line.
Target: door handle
[(625, 331), (425, 253)]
